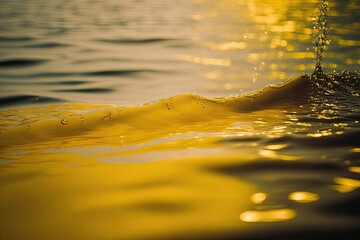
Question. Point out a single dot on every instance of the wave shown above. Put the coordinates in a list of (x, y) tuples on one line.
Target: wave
[(20, 62), (136, 41), (47, 45), (67, 83), (345, 139), (105, 73), (20, 100), (275, 165), (87, 90), (172, 113), (16, 39), (118, 72)]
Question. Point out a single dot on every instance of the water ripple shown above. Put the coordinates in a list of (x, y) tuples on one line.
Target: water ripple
[(135, 41), (87, 90), (47, 45), (17, 39), (25, 99), (125, 72), (20, 62)]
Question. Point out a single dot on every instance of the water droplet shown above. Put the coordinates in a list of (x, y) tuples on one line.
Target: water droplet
[(320, 26), (108, 116), (122, 139), (168, 105), (64, 121)]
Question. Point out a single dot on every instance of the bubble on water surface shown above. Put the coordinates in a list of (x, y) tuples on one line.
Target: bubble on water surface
[(64, 121)]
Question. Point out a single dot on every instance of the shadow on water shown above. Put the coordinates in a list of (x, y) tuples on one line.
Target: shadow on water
[(25, 100), (20, 63)]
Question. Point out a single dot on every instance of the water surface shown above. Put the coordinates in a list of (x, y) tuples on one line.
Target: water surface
[(131, 52), (154, 120)]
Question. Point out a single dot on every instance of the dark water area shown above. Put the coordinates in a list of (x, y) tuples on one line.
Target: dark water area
[(196, 120)]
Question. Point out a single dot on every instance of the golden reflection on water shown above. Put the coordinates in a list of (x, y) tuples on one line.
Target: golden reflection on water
[(258, 197), (357, 150), (354, 169), (276, 146), (303, 197), (265, 42), (275, 155), (345, 185), (206, 61), (276, 215)]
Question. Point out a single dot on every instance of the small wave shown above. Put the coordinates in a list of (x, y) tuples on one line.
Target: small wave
[(25, 99), (87, 90), (40, 75), (47, 45), (334, 119), (20, 62), (190, 108), (135, 41), (72, 74), (275, 165), (181, 109), (240, 140), (101, 60), (346, 139), (344, 85), (17, 39), (69, 83), (119, 72)]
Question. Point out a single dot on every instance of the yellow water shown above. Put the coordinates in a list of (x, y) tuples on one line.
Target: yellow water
[(185, 167), (279, 163), (102, 172)]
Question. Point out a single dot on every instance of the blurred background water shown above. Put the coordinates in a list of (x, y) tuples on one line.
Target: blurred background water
[(134, 51)]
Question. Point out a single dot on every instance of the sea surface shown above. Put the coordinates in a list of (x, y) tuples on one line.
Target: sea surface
[(190, 119)]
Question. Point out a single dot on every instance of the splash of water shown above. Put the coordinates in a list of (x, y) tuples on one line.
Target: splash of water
[(320, 35)]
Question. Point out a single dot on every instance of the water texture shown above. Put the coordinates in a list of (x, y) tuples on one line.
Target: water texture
[(140, 51), (154, 120)]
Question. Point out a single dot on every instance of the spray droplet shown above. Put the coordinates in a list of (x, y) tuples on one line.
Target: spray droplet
[(64, 121), (108, 116), (168, 103), (122, 140), (320, 34), (81, 120)]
